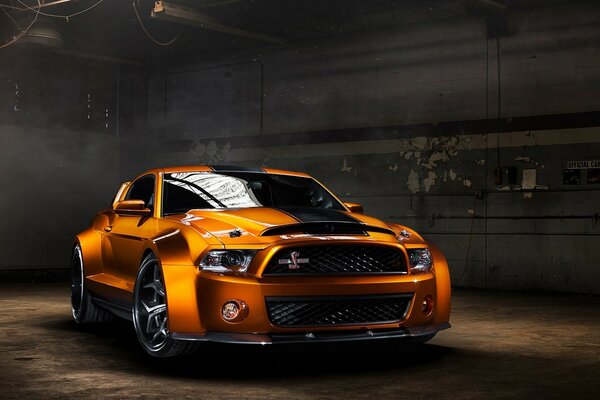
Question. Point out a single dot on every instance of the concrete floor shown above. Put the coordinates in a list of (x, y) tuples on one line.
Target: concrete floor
[(501, 346)]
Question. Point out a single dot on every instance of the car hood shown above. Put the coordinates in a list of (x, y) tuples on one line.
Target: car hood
[(260, 224)]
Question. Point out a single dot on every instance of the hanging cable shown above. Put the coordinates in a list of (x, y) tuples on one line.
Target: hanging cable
[(59, 15), (467, 266), (23, 32), (137, 14), (499, 99), (487, 158), (11, 18)]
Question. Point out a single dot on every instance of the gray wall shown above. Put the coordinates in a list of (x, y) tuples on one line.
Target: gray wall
[(59, 159), (421, 74), (403, 120), (395, 119)]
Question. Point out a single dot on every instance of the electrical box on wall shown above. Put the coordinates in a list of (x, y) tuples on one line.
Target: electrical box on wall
[(511, 175), (498, 176), (505, 175)]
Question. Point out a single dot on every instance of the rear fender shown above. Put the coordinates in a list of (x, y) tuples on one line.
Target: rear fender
[(90, 242)]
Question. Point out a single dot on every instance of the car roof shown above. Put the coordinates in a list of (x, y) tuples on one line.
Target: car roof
[(222, 168)]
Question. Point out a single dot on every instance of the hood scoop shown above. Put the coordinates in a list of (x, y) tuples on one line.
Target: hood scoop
[(326, 228)]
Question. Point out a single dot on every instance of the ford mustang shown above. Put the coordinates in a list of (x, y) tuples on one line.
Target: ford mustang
[(256, 256)]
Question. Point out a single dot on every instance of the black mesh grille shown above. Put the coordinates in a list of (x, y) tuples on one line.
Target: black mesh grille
[(338, 260), (328, 311)]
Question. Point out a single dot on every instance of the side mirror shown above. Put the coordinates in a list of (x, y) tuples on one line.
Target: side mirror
[(131, 207), (354, 207)]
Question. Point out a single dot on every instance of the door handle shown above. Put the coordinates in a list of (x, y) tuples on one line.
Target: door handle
[(108, 228)]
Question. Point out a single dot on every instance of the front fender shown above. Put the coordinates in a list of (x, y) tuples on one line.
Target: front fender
[(442, 282), (178, 250), (178, 246)]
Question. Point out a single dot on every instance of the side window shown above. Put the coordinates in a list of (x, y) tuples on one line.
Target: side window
[(143, 189)]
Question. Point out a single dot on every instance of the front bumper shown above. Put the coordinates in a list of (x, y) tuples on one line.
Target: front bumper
[(310, 337)]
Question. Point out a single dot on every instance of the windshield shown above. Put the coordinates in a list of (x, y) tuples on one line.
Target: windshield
[(184, 191)]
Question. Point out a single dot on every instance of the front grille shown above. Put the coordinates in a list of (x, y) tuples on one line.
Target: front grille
[(337, 260), (336, 311)]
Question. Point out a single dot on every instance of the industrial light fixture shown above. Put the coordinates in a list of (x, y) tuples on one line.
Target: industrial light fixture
[(187, 16)]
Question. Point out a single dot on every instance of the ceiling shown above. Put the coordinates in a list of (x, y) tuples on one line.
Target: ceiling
[(110, 28)]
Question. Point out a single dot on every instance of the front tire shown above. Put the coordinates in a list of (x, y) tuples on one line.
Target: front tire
[(82, 308), (150, 313)]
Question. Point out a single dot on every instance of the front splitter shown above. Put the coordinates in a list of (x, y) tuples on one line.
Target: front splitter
[(309, 337)]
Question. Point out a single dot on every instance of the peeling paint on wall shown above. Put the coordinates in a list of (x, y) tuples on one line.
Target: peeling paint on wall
[(435, 157), (529, 160), (452, 174), (210, 152), (438, 152), (346, 167), (413, 181), (430, 180), (420, 142)]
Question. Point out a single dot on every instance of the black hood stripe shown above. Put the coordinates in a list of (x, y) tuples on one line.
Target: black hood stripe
[(308, 214)]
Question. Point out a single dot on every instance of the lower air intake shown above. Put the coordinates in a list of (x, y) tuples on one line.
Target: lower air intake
[(337, 311)]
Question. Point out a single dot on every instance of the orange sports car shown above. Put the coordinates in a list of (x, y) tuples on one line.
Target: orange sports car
[(253, 255)]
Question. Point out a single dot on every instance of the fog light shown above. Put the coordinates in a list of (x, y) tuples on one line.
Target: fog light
[(427, 305), (234, 311)]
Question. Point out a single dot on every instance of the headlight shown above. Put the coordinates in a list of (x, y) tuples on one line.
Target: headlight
[(420, 260), (227, 260)]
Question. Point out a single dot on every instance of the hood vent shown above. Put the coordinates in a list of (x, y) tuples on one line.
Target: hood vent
[(326, 228)]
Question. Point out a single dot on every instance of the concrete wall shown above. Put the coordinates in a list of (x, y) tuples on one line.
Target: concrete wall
[(405, 120), (59, 158), (409, 121), (403, 76)]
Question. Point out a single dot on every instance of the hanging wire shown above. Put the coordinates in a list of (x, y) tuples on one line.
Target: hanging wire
[(59, 15), (499, 90), (11, 18), (23, 32), (137, 14), (467, 266)]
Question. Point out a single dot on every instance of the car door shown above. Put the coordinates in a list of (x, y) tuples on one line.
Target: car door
[(108, 216), (127, 232)]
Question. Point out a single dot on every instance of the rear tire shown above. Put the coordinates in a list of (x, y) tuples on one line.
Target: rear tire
[(150, 313), (82, 308)]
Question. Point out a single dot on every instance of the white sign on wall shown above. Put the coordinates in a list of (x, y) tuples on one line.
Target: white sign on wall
[(529, 178), (583, 164)]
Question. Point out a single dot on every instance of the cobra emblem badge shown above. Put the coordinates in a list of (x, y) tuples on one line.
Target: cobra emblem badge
[(294, 261), (403, 235)]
